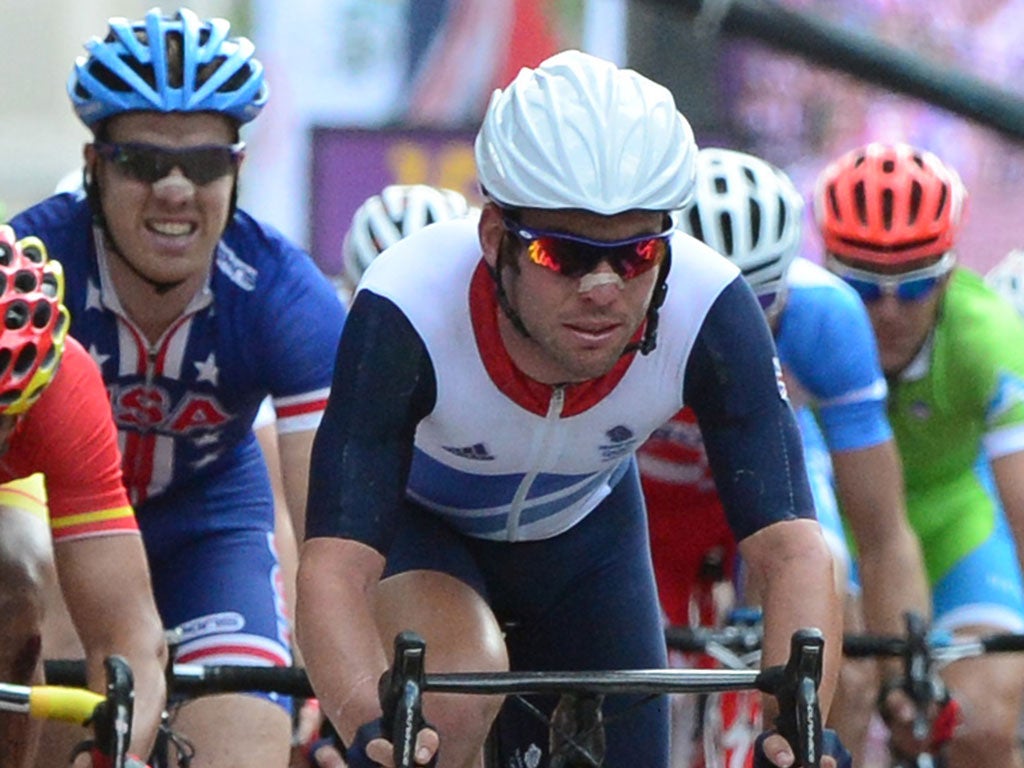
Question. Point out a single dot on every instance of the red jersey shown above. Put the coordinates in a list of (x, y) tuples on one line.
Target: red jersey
[(69, 436), (685, 515)]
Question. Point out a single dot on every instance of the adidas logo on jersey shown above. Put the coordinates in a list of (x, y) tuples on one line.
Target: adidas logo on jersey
[(476, 452)]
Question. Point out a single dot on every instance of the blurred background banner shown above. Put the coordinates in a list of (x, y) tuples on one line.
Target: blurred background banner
[(421, 71), (369, 159), (377, 64)]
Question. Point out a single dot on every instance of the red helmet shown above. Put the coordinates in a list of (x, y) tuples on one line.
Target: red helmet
[(889, 204), (35, 320)]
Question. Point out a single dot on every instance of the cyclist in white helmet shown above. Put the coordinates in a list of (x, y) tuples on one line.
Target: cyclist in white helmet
[(475, 467), (383, 219), (750, 211)]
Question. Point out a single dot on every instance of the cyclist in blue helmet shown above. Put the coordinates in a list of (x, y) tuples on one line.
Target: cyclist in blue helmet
[(195, 312)]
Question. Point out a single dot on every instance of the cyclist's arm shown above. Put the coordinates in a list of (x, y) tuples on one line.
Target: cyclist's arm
[(69, 435), (1009, 476), (105, 581), (869, 482), (294, 450), (753, 446), (383, 386)]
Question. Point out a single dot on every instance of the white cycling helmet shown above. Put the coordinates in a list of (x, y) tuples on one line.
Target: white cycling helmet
[(749, 211), (396, 212), (578, 132), (1007, 279)]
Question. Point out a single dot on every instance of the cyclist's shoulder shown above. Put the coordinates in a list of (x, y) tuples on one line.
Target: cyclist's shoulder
[(977, 327), (824, 328), (256, 263), (63, 222)]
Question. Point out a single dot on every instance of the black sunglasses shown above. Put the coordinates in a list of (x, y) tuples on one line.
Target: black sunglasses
[(149, 163)]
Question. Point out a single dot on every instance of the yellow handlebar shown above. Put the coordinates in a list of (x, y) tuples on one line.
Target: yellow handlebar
[(53, 702)]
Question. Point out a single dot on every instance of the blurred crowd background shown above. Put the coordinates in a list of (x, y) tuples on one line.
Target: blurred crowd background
[(368, 92)]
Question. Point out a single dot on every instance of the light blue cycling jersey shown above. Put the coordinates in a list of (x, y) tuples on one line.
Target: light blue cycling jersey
[(828, 354)]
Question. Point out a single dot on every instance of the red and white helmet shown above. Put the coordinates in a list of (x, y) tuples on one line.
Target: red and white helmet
[(889, 204), (35, 321)]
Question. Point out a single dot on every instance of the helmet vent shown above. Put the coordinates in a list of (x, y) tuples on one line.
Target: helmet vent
[(26, 359), (943, 197), (721, 186), (25, 281), (33, 253), (916, 193), (42, 314), (49, 285), (888, 166), (755, 223), (16, 316), (725, 224), (833, 201), (887, 206), (861, 200), (695, 225), (173, 43), (6, 254), (783, 214)]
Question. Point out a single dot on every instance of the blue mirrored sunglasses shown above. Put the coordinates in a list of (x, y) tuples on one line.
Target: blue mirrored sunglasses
[(908, 287), (907, 290)]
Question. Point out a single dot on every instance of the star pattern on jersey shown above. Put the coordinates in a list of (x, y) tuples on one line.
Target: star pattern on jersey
[(98, 357), (92, 296), (207, 369)]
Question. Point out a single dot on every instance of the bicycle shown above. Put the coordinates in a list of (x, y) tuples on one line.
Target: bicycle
[(188, 681), (727, 723), (109, 715), (578, 744), (924, 653)]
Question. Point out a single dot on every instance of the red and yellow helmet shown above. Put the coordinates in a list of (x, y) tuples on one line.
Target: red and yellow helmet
[(889, 204), (35, 321)]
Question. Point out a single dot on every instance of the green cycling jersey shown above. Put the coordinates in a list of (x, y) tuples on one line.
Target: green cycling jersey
[(960, 402)]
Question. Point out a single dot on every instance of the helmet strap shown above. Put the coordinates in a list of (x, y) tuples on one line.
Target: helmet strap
[(499, 288), (650, 338)]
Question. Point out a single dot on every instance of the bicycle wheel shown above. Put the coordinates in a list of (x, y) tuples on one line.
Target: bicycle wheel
[(732, 721)]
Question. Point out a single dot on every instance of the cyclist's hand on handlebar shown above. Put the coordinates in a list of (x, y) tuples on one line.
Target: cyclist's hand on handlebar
[(771, 749), (323, 753), (899, 713), (370, 749)]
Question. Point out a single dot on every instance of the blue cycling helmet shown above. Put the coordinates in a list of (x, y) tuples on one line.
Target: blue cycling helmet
[(130, 70)]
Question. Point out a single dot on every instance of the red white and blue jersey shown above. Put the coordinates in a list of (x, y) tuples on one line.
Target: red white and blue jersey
[(267, 321), (500, 456)]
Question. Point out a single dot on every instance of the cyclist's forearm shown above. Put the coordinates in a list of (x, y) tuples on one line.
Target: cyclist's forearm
[(337, 633), (147, 665), (796, 563), (885, 607)]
